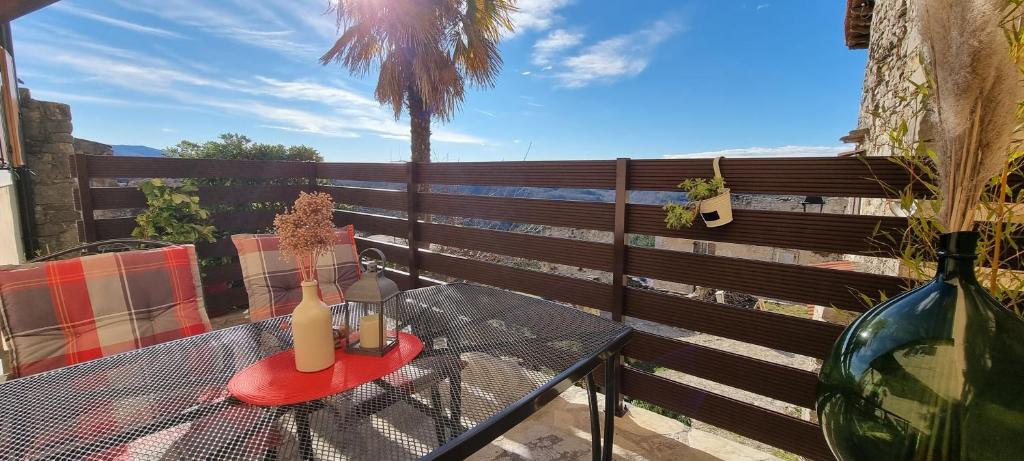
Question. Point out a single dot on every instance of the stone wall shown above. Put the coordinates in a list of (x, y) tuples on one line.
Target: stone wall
[(893, 63), (893, 57), (85, 146), (49, 147)]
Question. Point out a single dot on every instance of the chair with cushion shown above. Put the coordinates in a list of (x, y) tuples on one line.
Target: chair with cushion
[(56, 313), (273, 282)]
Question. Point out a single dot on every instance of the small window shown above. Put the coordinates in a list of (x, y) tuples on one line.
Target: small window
[(704, 248), (785, 256)]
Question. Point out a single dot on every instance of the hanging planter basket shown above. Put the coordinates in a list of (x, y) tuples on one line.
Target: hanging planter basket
[(717, 211)]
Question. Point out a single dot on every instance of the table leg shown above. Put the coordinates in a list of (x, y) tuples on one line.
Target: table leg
[(595, 421), (611, 398), (265, 420), (438, 414), (455, 386), (303, 432)]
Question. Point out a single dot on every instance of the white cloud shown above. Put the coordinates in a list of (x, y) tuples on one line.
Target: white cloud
[(311, 91), (553, 44), (484, 112), (169, 130), (535, 15), (782, 151), (762, 6), (248, 23), (83, 13), (333, 111), (526, 73), (617, 57)]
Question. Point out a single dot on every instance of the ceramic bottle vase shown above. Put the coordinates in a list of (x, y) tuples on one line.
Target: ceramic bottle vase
[(311, 331), (936, 373)]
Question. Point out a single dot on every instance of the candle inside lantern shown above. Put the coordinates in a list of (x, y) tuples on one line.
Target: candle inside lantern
[(369, 331)]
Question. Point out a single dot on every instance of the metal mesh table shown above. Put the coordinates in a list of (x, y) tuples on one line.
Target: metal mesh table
[(491, 358)]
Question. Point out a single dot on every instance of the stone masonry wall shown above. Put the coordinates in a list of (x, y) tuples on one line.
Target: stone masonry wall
[(49, 147), (893, 57)]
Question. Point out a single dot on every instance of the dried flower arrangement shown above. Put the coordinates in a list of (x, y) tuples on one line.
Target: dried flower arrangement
[(975, 95), (307, 231)]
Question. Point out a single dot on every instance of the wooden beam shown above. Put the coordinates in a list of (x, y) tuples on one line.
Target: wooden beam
[(14, 9)]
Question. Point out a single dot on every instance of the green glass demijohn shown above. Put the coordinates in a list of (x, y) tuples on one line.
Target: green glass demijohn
[(936, 373)]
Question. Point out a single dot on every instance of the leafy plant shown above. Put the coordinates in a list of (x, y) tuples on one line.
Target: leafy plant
[(173, 213), (682, 215), (234, 146)]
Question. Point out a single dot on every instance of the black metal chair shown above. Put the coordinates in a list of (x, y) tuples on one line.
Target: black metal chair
[(103, 246)]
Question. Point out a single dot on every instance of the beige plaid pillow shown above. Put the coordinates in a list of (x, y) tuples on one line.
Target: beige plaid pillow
[(60, 313), (273, 284)]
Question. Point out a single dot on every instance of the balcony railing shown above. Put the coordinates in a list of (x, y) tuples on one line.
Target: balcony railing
[(819, 232)]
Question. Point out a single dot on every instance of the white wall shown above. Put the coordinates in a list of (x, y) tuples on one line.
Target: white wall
[(10, 227)]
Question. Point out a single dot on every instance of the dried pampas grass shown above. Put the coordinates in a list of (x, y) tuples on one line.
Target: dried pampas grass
[(975, 90)]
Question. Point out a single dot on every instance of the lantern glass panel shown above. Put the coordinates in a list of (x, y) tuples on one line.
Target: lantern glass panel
[(373, 327)]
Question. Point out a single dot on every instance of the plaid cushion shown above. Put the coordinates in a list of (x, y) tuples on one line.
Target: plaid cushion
[(60, 313), (273, 283)]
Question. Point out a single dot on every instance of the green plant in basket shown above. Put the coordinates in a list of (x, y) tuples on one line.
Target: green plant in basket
[(173, 214), (682, 215)]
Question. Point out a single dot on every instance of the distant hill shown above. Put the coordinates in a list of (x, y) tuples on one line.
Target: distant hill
[(136, 151)]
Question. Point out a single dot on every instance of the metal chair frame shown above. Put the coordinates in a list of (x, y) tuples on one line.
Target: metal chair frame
[(104, 246)]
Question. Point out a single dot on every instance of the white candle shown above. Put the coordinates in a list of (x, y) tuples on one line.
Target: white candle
[(369, 331)]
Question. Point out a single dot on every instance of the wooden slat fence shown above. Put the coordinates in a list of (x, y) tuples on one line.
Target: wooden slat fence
[(455, 224)]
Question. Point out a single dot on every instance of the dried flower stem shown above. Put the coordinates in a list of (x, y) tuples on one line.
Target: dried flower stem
[(976, 89), (307, 231)]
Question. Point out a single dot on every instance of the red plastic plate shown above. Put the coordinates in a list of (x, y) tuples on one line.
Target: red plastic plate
[(275, 381)]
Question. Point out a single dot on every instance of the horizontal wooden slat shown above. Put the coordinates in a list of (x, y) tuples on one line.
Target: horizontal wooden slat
[(786, 432), (371, 223), (827, 233), (567, 289), (255, 221), (397, 254), (371, 172), (370, 198), (105, 198), (592, 174), (570, 252), (562, 213), (223, 273), (791, 282), (221, 303), (220, 248), (758, 376), (777, 331), (103, 166), (824, 176), (231, 222)]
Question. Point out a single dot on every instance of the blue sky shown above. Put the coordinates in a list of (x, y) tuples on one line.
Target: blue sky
[(583, 79)]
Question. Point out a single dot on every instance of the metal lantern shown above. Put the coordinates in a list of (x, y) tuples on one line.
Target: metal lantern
[(370, 304)]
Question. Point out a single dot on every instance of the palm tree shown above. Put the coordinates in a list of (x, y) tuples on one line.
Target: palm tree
[(426, 50)]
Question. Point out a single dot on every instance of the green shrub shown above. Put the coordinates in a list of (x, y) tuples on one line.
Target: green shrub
[(173, 214)]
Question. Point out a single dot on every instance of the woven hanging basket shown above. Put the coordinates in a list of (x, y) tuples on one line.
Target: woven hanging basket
[(717, 211)]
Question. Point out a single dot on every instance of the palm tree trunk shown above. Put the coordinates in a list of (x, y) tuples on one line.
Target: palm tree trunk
[(419, 128)]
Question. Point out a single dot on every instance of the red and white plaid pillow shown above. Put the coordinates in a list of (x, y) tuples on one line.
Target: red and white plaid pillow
[(273, 283), (60, 313)]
